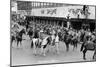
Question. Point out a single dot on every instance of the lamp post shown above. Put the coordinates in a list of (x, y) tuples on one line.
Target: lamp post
[(68, 21), (86, 12)]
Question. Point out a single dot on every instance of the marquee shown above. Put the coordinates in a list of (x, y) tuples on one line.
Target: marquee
[(72, 11)]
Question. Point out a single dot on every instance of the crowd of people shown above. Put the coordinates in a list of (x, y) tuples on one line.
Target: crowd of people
[(37, 30), (33, 29)]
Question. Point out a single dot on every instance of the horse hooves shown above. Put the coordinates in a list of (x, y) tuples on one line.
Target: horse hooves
[(84, 58)]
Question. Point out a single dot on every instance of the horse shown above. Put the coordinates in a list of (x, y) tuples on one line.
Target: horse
[(13, 33), (50, 41), (39, 43), (74, 42), (19, 36), (47, 41), (13, 36), (67, 40), (88, 46), (54, 41), (36, 43)]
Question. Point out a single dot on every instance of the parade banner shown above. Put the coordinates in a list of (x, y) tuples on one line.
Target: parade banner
[(63, 11)]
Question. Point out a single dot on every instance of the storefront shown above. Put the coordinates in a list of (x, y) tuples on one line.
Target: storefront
[(61, 15), (83, 23), (75, 23), (76, 15)]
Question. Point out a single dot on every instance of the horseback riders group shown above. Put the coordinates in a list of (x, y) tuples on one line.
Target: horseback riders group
[(54, 34)]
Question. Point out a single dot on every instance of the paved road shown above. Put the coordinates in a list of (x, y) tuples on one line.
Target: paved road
[(24, 55)]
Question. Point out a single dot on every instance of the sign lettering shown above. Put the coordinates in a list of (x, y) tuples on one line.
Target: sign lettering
[(49, 11)]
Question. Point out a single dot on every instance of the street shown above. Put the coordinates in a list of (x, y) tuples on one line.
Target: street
[(24, 55)]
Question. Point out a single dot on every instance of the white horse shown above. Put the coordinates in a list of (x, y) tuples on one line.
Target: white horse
[(49, 41), (44, 44), (36, 44)]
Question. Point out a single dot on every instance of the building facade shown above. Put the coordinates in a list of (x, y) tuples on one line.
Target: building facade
[(57, 14)]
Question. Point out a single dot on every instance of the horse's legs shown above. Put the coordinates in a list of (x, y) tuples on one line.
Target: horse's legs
[(74, 46), (43, 50), (84, 52), (17, 43), (48, 48), (82, 47), (94, 54), (67, 46), (34, 44), (11, 42), (15, 40), (20, 43), (57, 49)]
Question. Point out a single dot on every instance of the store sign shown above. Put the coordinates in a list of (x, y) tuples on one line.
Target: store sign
[(24, 12), (49, 11), (72, 11), (79, 11), (75, 11)]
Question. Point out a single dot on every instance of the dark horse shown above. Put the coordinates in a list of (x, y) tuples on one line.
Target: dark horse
[(89, 45), (74, 42), (70, 40), (67, 41), (19, 36), (12, 38)]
